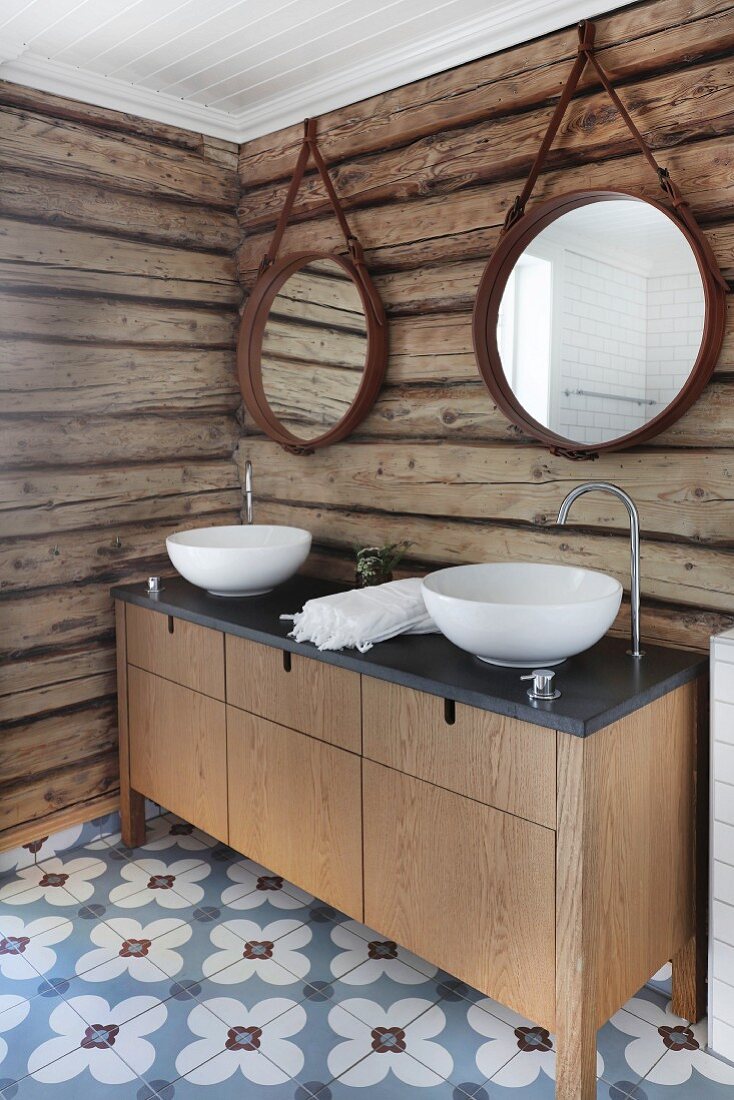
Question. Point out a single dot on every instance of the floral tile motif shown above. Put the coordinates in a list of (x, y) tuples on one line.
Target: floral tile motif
[(402, 1041), (679, 1048), (58, 882), (253, 885), (152, 882), (183, 970), (365, 956)]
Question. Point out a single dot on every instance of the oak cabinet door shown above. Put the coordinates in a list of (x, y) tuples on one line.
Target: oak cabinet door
[(505, 763), (181, 651), (465, 886), (295, 691), (295, 807), (178, 750)]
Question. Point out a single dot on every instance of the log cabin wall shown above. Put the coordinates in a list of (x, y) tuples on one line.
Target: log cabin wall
[(118, 306), (436, 462)]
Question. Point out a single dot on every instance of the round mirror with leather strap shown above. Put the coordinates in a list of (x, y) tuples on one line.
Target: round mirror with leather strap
[(312, 348), (600, 316)]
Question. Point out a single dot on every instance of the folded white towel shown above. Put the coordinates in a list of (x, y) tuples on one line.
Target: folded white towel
[(359, 618)]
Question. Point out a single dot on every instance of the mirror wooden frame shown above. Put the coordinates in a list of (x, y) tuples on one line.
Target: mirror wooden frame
[(271, 277), (249, 350), (486, 314)]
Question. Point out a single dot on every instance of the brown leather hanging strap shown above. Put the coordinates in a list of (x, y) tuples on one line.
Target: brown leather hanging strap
[(586, 44), (586, 55), (309, 149), (290, 197)]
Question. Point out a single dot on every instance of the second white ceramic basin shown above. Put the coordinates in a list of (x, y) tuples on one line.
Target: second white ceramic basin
[(522, 614), (241, 560)]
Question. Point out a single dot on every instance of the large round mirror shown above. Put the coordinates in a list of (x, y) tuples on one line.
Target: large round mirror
[(312, 349), (597, 321)]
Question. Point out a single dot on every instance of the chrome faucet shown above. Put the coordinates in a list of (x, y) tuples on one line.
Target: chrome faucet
[(248, 492), (606, 487)]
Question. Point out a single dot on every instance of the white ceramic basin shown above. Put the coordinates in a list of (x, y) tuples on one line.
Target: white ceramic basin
[(243, 560), (521, 613)]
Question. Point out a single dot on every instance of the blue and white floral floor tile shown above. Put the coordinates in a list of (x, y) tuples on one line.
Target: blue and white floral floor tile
[(182, 970)]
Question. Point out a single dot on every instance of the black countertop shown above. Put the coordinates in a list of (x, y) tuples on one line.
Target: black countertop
[(597, 687)]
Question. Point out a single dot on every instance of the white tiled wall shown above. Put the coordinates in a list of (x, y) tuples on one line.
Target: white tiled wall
[(622, 333), (674, 322), (603, 347), (721, 963)]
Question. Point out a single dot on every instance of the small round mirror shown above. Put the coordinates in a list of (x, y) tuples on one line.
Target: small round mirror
[(594, 321), (312, 349)]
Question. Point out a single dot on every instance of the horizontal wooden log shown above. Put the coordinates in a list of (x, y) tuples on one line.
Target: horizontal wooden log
[(681, 574), (53, 697), (688, 494), (504, 82), (82, 615), (74, 557), (79, 205), (116, 122), (591, 130), (39, 257), (91, 320), (56, 671), (48, 744), (127, 163), (75, 441), (411, 234), (38, 378), (54, 500), (27, 832), (34, 798)]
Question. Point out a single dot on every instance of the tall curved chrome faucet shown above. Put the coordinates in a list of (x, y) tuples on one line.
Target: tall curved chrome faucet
[(248, 492), (606, 487)]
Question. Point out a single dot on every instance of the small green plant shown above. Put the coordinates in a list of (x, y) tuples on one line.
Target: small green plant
[(376, 563)]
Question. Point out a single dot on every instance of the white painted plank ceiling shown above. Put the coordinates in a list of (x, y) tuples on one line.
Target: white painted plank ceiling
[(239, 68)]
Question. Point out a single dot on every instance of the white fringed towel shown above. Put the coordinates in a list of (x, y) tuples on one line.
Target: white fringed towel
[(363, 616)]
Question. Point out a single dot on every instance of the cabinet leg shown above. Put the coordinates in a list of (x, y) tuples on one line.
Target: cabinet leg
[(576, 1060), (689, 980), (132, 817), (132, 803)]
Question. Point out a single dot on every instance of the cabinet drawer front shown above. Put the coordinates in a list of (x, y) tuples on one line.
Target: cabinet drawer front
[(295, 807), (313, 697), (463, 885), (178, 750), (188, 654), (496, 760)]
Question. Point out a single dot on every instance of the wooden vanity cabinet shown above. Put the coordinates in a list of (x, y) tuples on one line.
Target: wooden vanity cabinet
[(295, 691), (462, 885), (295, 807), (177, 650), (554, 873), (264, 754), (496, 760), (178, 750)]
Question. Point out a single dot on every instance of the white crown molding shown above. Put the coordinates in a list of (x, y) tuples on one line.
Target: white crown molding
[(104, 91), (9, 49), (507, 24), (503, 25)]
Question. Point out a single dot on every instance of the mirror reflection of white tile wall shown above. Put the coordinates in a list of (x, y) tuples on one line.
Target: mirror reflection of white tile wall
[(601, 320), (622, 333)]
